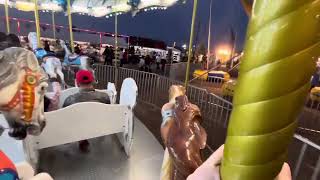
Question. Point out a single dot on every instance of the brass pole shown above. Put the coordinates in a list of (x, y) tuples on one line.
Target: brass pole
[(70, 26), (195, 3), (53, 25), (36, 16), (6, 9)]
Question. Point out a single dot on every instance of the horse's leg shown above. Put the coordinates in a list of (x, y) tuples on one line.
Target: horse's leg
[(61, 75), (84, 63), (49, 68)]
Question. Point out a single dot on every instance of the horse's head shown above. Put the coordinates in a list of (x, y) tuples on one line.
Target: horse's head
[(22, 87), (175, 91)]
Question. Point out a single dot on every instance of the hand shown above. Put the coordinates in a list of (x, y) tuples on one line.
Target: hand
[(210, 169)]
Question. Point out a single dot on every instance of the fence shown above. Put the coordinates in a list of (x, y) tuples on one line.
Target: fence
[(304, 155)]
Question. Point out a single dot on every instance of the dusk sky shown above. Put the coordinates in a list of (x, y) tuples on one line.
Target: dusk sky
[(171, 25)]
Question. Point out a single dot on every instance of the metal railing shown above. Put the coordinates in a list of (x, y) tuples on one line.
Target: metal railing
[(306, 144), (153, 89)]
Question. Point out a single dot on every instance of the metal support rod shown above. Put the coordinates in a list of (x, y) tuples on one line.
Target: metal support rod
[(6, 9), (116, 38), (100, 41), (316, 170), (209, 35), (53, 25), (233, 49), (299, 161), (36, 16), (70, 26), (195, 3)]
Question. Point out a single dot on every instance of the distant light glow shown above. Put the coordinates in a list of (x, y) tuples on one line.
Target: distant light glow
[(223, 53), (184, 46)]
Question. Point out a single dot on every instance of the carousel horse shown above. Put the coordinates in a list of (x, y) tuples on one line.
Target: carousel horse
[(22, 88), (74, 62), (83, 62), (49, 62), (183, 136)]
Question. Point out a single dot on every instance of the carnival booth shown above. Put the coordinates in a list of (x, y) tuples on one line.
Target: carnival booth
[(205, 75)]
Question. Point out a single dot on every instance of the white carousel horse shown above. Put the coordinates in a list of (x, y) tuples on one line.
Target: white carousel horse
[(74, 59), (49, 62), (22, 87)]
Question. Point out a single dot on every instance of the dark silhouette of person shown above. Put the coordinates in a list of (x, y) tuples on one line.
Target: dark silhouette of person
[(46, 46)]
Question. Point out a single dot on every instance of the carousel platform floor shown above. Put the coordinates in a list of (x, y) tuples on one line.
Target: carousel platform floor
[(106, 159)]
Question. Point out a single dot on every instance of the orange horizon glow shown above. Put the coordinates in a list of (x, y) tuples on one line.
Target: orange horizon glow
[(223, 53)]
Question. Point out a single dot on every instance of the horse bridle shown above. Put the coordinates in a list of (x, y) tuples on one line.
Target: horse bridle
[(25, 95)]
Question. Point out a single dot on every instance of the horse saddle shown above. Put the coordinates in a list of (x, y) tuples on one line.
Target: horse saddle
[(40, 52), (73, 59)]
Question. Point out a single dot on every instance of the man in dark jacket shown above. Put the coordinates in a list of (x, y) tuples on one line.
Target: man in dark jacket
[(86, 93)]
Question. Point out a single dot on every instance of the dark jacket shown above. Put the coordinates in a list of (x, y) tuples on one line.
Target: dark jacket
[(87, 95)]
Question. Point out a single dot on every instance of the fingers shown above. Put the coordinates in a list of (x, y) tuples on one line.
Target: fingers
[(215, 158), (285, 173)]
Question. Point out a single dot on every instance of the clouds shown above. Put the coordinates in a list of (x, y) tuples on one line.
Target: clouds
[(170, 25)]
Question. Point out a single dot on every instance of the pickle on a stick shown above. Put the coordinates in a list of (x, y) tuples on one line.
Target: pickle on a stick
[(282, 45)]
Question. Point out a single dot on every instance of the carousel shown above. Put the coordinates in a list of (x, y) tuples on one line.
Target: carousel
[(40, 145)]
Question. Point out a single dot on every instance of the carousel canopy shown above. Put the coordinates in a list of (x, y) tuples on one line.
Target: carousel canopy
[(97, 8)]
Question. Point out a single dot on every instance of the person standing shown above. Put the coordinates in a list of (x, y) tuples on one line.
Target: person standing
[(46, 46), (148, 61), (107, 56), (158, 61)]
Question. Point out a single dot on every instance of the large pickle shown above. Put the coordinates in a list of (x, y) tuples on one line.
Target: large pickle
[(283, 43)]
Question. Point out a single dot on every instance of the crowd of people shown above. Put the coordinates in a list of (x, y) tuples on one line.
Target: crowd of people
[(107, 57)]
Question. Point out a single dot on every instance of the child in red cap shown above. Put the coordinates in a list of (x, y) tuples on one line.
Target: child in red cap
[(87, 93)]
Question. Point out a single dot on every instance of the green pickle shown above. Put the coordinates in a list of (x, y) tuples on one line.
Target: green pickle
[(282, 46)]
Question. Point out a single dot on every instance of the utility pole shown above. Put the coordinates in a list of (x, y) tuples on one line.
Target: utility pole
[(209, 35)]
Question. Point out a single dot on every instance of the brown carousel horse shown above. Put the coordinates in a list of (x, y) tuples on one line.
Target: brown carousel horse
[(22, 87), (183, 136)]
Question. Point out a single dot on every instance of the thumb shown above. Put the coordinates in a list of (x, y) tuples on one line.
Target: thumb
[(215, 158), (285, 173)]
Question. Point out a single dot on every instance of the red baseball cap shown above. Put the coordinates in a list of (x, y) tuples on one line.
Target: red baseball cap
[(84, 77)]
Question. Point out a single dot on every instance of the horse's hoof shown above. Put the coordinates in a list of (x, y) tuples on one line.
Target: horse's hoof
[(18, 133)]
